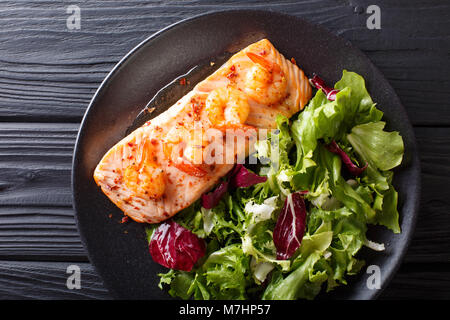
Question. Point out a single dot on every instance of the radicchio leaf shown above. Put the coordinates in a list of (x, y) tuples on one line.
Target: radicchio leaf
[(318, 82), (241, 177), (212, 199), (175, 247), (333, 147), (290, 227), (238, 177)]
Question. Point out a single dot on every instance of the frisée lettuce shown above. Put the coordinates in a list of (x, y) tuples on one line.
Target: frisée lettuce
[(241, 259)]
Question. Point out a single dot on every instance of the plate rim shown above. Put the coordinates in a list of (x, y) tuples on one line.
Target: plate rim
[(414, 157)]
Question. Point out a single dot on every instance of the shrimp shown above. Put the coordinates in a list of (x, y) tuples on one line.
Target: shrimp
[(147, 181), (227, 106), (184, 149), (145, 177), (195, 145), (265, 82)]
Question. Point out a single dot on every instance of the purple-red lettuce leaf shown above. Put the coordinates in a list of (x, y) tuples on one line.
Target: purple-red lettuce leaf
[(318, 82), (238, 177), (333, 147), (290, 227), (175, 247), (242, 178), (212, 199)]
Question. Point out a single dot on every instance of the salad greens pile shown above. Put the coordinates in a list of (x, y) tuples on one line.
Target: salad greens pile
[(241, 261)]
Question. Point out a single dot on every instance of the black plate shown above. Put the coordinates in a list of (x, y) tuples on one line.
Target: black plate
[(119, 251)]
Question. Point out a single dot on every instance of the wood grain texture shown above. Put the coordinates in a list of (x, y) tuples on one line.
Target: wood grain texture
[(35, 163), (431, 238), (47, 280), (36, 218), (417, 281), (49, 73), (40, 233)]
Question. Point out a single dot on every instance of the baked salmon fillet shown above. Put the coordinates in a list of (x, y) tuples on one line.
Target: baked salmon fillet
[(168, 163)]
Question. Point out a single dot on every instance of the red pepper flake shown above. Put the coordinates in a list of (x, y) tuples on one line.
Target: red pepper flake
[(125, 219), (293, 61), (232, 72), (183, 81), (263, 53), (196, 108), (154, 142), (231, 75), (110, 215)]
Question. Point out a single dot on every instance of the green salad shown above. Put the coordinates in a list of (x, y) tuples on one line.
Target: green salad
[(311, 173)]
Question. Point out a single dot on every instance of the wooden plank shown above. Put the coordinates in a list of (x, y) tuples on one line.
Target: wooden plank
[(420, 79), (47, 280), (36, 217), (421, 282), (431, 238), (49, 73), (35, 163), (40, 233)]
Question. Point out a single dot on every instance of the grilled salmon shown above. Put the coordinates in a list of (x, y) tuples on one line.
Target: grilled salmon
[(168, 163)]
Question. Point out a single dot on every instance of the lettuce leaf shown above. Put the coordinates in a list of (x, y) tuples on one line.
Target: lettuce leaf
[(363, 109), (227, 273), (290, 288), (382, 150), (388, 214), (327, 120)]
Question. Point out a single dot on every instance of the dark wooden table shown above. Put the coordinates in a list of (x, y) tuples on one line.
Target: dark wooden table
[(48, 74)]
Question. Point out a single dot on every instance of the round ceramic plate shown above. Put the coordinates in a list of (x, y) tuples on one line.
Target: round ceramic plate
[(118, 251)]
